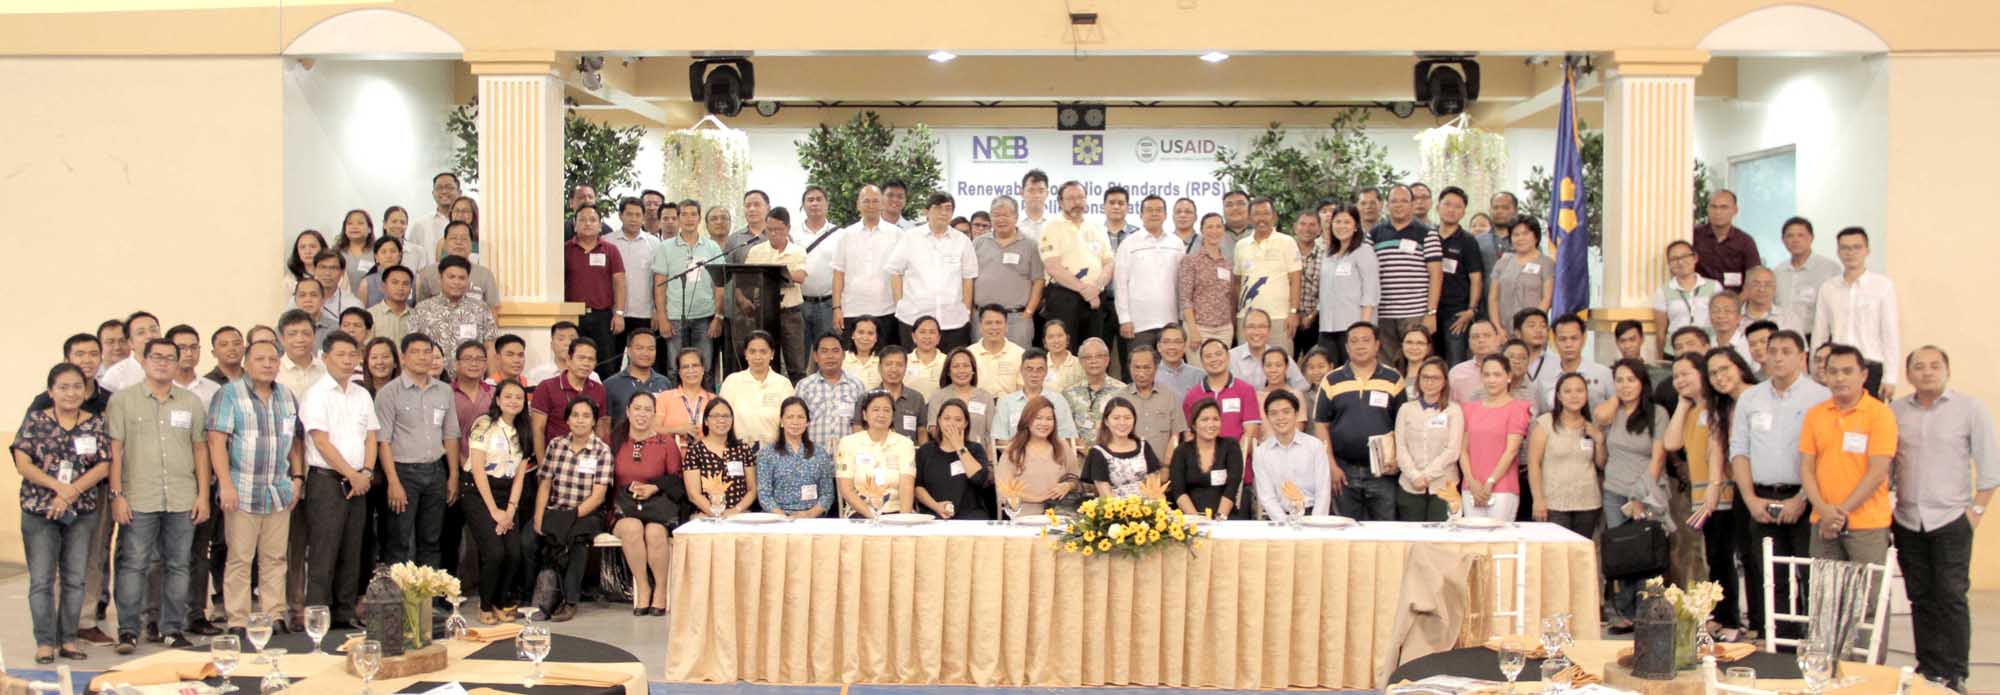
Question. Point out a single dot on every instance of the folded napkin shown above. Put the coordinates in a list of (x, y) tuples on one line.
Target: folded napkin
[(1576, 677), (495, 633), (1528, 645), (1731, 651), (352, 640), (157, 674), (572, 674)]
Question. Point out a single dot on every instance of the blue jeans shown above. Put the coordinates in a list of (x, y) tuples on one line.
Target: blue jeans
[(690, 333), (422, 519), (819, 321), (56, 548), (152, 536)]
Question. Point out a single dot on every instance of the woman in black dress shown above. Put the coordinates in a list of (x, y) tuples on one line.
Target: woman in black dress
[(1205, 476), (954, 476)]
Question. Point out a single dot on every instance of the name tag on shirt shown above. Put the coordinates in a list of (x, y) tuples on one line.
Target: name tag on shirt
[(1378, 399), (1222, 274), (1854, 442), (1531, 269), (596, 260), (1218, 477), (67, 473), (909, 422), (1407, 246), (1586, 444), (476, 292), (1232, 405), (586, 465), (1439, 420), (958, 468), (180, 419), (437, 417), (497, 441), (976, 407), (1732, 278), (468, 332), (1343, 270), (1760, 422), (771, 400), (1703, 419), (809, 492), (733, 468), (86, 446), (864, 460), (914, 371), (1451, 265), (1273, 255), (1010, 258)]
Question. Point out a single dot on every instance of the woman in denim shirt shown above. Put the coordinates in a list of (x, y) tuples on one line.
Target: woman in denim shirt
[(793, 477)]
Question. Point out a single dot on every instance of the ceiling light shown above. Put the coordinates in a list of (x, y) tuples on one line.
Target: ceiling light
[(728, 83), (1215, 56), (943, 56)]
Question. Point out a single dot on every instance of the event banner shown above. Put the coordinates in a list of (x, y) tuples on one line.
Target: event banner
[(981, 164)]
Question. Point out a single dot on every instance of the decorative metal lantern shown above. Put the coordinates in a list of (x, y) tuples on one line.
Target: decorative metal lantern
[(382, 612), (1653, 638)]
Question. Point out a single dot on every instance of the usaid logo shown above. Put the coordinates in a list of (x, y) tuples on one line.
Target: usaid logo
[(999, 148), (1149, 149)]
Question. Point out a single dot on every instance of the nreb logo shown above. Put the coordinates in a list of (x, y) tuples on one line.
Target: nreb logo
[(1005, 148)]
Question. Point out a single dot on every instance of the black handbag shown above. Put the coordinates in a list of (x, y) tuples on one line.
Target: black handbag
[(658, 509), (1636, 549)]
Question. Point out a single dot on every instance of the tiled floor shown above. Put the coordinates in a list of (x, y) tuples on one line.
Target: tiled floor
[(647, 638)]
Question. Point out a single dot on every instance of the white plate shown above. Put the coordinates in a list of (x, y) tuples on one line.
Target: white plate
[(1031, 520), (1478, 522), (756, 518), (1327, 521), (907, 519)]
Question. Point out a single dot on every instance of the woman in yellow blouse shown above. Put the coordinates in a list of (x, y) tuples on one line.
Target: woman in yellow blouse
[(864, 360), (1065, 370), (879, 454), (490, 496), (756, 393), (926, 366)]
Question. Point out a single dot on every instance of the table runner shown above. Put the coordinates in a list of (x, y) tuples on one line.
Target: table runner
[(1256, 606)]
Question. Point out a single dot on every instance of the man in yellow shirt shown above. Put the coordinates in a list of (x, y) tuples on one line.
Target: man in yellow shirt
[(1268, 270), (778, 249), (1077, 254), (1844, 453), (997, 359)]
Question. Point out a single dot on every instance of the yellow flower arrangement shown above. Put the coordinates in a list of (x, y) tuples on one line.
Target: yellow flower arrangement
[(1128, 525)]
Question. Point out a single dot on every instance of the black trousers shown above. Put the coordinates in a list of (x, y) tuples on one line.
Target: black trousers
[(596, 325), (1410, 507), (1366, 498), (569, 553), (1082, 321), (1335, 343), (499, 553), (1723, 537), (204, 563), (1583, 521), (333, 564), (1791, 540), (1937, 567)]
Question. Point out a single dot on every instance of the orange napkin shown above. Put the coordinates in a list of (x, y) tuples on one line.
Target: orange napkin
[(157, 674), (1154, 487), (1732, 651), (352, 640), (1011, 490), (495, 633), (1293, 495), (572, 674), (1577, 677), (1449, 494), (1528, 645)]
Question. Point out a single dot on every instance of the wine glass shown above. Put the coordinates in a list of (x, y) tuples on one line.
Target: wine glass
[(1816, 666), (274, 681), (456, 624), (1552, 635), (225, 651), (1552, 669), (535, 641), (1011, 504), (1512, 660), (1740, 676), (318, 620), (259, 632), (367, 658), (527, 614)]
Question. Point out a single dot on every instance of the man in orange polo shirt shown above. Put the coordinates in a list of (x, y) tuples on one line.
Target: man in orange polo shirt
[(1844, 450)]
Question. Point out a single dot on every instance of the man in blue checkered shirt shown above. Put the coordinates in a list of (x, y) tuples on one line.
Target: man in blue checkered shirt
[(259, 475)]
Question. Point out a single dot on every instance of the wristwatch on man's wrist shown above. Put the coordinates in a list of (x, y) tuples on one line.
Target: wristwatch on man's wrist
[(1976, 509)]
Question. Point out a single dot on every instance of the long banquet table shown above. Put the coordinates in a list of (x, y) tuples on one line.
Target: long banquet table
[(964, 602)]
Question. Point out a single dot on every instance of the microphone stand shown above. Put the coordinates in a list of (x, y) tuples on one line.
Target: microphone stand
[(702, 266)]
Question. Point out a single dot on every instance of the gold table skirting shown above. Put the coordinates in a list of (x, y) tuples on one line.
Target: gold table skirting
[(829, 602)]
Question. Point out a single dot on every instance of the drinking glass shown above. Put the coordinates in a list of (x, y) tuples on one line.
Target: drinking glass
[(1012, 506), (1740, 676), (1512, 660), (318, 620), (225, 651), (1552, 630), (456, 624), (367, 657), (535, 641), (1553, 667), (259, 632), (527, 623), (274, 681), (1816, 666)]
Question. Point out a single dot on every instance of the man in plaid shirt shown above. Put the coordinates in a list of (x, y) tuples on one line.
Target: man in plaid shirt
[(830, 395), (259, 472)]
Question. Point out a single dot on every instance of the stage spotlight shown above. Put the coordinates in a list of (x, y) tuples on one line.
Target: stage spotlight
[(1080, 117), (1445, 90), (722, 84)]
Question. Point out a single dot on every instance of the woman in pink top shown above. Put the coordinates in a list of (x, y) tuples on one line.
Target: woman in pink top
[(1494, 428)]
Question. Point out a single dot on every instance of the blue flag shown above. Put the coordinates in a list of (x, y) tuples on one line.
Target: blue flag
[(1569, 230)]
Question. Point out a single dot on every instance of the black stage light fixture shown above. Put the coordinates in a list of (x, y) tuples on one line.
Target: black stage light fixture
[(1447, 85), (722, 84), (1080, 117)]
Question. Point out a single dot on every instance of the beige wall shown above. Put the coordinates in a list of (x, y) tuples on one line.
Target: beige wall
[(133, 183), (1940, 262)]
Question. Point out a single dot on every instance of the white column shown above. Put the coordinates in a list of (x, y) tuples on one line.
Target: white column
[(1649, 175), (520, 184)]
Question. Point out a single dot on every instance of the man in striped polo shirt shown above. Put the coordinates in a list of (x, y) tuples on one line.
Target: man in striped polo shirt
[(1357, 403), (1411, 258)]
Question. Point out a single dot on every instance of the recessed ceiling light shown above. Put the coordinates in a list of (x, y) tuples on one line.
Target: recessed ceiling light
[(943, 56), (1215, 56)]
